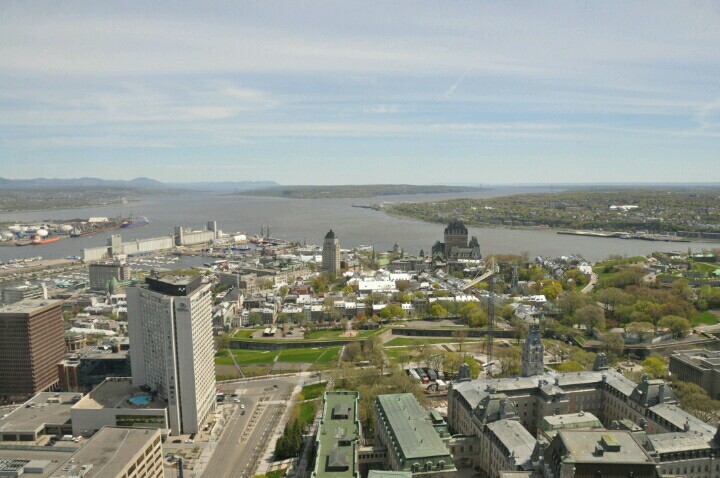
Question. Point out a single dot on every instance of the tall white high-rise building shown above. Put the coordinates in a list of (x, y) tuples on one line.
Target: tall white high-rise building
[(171, 346)]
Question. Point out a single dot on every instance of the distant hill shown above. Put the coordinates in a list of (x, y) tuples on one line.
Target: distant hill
[(356, 190), (225, 185), (137, 183)]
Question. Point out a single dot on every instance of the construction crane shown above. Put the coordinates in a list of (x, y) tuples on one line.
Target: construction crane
[(491, 269)]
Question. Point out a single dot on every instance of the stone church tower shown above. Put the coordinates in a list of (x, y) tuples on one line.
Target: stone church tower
[(532, 354)]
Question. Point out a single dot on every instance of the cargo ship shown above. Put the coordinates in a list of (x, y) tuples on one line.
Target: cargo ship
[(44, 240), (130, 222)]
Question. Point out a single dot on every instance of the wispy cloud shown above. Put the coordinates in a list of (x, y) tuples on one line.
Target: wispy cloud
[(454, 86), (286, 80)]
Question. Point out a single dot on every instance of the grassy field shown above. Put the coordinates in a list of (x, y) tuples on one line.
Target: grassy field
[(336, 334), (246, 357), (306, 411), (704, 318), (323, 355), (428, 340), (395, 352), (244, 333), (705, 267), (251, 357), (272, 474), (311, 392)]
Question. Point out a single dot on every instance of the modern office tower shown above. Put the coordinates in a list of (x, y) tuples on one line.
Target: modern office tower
[(13, 294), (456, 235), (102, 273), (331, 253), (31, 345), (532, 354), (171, 346)]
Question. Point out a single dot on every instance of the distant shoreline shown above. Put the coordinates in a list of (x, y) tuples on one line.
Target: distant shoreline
[(559, 231)]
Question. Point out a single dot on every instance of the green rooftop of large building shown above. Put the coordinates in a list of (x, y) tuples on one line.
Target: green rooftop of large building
[(412, 434), (337, 437), (389, 474)]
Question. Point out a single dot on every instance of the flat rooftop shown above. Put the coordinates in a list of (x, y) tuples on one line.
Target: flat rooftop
[(338, 436), (570, 420), (114, 393), (678, 442), (619, 447), (409, 425), (44, 408), (29, 306), (108, 451)]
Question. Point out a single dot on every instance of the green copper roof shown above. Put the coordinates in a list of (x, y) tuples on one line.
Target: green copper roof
[(337, 437)]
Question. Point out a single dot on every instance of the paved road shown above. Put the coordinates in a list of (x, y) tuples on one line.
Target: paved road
[(591, 285), (245, 437)]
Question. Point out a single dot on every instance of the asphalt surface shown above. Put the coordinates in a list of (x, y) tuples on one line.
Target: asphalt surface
[(245, 438)]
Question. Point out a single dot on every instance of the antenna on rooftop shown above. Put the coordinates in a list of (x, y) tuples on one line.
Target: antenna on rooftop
[(491, 325)]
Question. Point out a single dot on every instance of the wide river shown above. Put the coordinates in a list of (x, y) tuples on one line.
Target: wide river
[(309, 219)]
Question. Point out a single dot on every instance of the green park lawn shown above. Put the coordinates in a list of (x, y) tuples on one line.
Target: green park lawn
[(336, 334), (300, 355), (704, 318), (311, 392), (433, 340)]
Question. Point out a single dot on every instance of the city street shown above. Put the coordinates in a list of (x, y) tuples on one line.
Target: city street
[(243, 442)]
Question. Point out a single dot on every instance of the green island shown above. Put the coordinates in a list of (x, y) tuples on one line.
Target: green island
[(354, 191), (35, 199), (653, 210)]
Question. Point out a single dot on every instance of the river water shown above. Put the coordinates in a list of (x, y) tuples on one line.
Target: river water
[(309, 219)]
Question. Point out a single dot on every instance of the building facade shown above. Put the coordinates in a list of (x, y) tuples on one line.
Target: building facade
[(10, 295), (412, 443), (172, 352), (456, 235), (338, 435), (331, 253), (103, 273), (674, 440), (31, 345), (701, 367)]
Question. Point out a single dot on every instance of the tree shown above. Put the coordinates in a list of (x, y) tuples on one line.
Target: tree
[(613, 345), (609, 297), (353, 352), (696, 400), (435, 361), (437, 311), (592, 316), (655, 367), (520, 329), (550, 288), (570, 366), (643, 330), (451, 363), (473, 366), (461, 336), (570, 302), (584, 358), (255, 318), (402, 285), (510, 361), (391, 311), (222, 341), (678, 325)]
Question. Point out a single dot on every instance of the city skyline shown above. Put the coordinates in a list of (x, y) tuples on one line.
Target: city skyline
[(361, 93)]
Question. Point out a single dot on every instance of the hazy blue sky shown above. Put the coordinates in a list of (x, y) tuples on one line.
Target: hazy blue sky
[(361, 92)]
